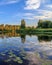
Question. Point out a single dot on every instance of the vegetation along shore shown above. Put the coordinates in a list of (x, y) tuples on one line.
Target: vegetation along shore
[(43, 27)]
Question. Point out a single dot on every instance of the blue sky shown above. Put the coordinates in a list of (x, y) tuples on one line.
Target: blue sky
[(12, 11)]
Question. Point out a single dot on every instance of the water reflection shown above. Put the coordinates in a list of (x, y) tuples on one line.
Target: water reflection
[(7, 35), (44, 38), (23, 37), (36, 50)]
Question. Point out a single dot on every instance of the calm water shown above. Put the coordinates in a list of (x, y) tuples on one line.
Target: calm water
[(26, 50)]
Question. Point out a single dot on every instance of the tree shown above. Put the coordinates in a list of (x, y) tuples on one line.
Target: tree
[(40, 23), (23, 23), (50, 24), (44, 24)]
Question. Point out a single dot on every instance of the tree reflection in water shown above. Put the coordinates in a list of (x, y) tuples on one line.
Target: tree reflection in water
[(23, 36), (25, 54), (44, 38)]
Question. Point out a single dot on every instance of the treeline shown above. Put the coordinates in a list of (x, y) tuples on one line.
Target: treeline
[(41, 24), (44, 24), (42, 28)]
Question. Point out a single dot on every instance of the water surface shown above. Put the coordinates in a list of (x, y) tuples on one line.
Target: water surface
[(26, 50)]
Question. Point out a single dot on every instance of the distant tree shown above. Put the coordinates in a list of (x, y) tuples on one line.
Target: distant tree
[(40, 23), (23, 25), (44, 24)]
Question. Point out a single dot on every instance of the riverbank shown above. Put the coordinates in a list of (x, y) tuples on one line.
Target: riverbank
[(42, 31), (35, 31)]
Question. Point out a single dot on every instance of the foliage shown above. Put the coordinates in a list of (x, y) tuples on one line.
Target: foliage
[(44, 24), (23, 23)]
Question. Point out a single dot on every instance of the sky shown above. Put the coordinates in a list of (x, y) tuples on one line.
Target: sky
[(13, 11)]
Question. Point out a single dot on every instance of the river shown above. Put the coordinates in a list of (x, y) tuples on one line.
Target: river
[(26, 50)]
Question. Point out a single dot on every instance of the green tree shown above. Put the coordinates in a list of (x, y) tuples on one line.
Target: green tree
[(44, 24), (23, 25), (50, 25), (40, 23)]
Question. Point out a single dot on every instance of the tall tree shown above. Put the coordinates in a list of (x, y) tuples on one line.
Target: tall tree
[(40, 23), (23, 25)]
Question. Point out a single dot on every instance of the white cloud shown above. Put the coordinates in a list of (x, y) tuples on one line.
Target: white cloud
[(45, 14), (41, 14), (49, 6), (40, 17), (32, 4), (4, 2), (35, 4), (28, 14)]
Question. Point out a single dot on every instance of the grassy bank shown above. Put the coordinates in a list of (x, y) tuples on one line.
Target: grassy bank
[(43, 31), (35, 31), (31, 31)]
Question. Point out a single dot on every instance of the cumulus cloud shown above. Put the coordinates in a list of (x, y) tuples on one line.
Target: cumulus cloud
[(40, 14), (4, 2), (32, 4), (45, 14), (35, 4)]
